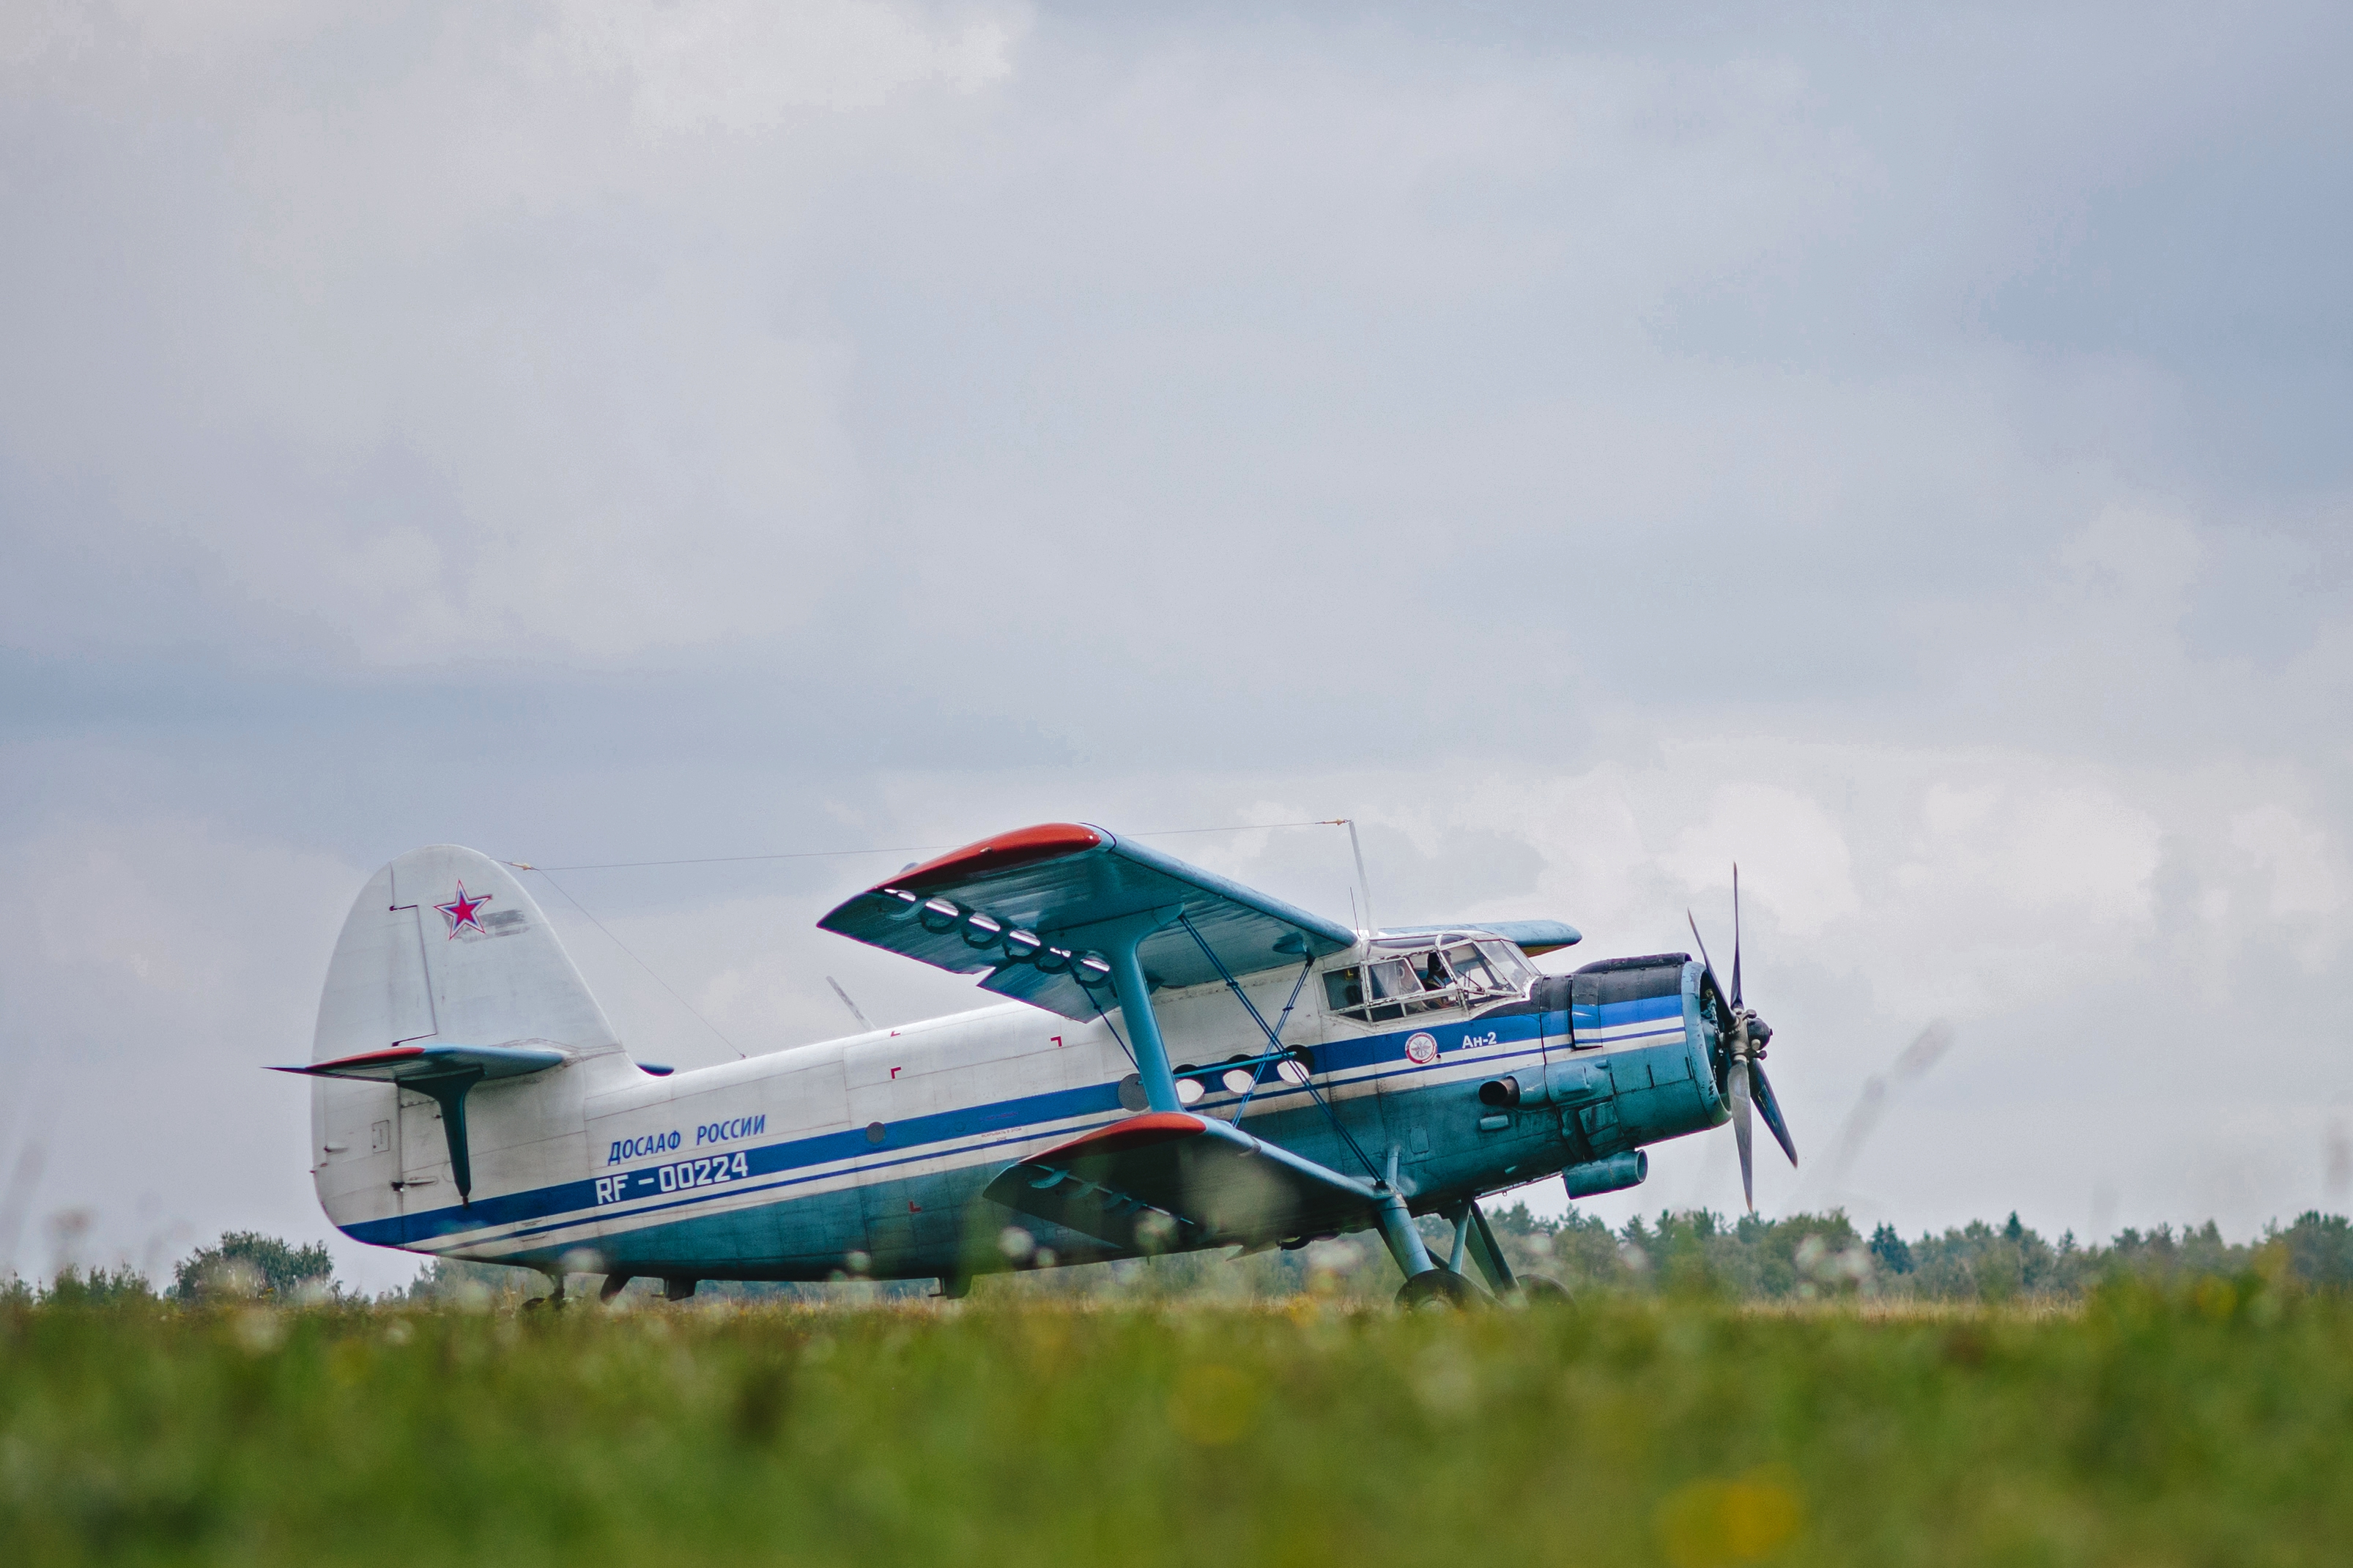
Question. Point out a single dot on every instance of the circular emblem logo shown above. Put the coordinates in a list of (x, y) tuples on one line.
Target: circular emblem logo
[(1421, 1049)]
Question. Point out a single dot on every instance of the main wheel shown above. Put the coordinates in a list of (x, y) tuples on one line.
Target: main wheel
[(1536, 1291), (1437, 1287)]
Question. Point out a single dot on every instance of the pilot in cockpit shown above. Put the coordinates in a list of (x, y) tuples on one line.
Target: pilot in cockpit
[(1432, 971)]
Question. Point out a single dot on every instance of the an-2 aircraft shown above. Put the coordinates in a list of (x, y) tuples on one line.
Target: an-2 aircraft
[(1180, 1063)]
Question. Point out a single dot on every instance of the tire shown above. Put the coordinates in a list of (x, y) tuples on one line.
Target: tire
[(1536, 1290), (1438, 1289)]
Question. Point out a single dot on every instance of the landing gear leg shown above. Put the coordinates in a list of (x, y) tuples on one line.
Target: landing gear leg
[(1462, 1223), (1489, 1256), (1425, 1281), (613, 1286), (1398, 1229), (1494, 1267)]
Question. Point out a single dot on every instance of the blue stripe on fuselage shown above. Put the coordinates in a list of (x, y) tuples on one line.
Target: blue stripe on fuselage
[(824, 1149), (575, 1203), (1589, 1018)]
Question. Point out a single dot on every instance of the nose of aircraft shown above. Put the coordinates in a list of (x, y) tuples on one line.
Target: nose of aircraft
[(1747, 1034)]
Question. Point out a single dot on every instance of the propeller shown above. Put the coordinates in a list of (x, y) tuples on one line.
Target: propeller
[(1746, 1036)]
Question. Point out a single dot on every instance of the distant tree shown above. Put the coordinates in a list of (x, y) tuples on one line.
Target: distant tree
[(1809, 1254), (2320, 1248), (1975, 1262), (455, 1280), (247, 1264), (1585, 1250), (1517, 1221), (96, 1287), (1888, 1250), (1694, 1252)]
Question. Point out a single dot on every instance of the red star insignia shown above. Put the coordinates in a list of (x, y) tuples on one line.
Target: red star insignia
[(463, 911)]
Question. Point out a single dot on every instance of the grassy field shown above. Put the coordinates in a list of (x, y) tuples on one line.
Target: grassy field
[(2209, 1425)]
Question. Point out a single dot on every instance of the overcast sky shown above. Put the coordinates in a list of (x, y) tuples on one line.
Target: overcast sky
[(1902, 448)]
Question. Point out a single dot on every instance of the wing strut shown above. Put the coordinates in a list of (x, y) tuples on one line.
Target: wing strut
[(1274, 1044), (1120, 939)]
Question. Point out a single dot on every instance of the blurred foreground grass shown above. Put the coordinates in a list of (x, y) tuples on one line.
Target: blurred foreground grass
[(2207, 1424)]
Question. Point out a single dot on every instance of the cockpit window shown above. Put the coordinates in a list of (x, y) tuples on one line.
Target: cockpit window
[(1510, 964), (1444, 973), (1384, 989), (1471, 968), (1429, 980), (1392, 979)]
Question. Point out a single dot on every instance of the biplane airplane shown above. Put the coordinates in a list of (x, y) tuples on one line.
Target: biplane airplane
[(1179, 1063)]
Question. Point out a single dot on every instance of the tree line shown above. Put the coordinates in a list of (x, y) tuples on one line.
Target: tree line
[(1807, 1255), (1693, 1252)]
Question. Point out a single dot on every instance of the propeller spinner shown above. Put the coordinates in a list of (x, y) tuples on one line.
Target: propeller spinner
[(1744, 1036)]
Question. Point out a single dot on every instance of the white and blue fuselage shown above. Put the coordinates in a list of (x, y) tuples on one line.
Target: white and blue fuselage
[(868, 1155)]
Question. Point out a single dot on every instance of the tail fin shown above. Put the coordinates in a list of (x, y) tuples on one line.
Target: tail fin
[(445, 947), (447, 974)]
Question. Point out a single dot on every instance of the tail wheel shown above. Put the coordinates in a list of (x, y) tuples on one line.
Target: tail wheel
[(1437, 1287)]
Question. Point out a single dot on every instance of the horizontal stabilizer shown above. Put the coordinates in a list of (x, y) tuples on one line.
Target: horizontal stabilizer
[(1021, 906), (402, 1063), (1195, 1181), (446, 1073)]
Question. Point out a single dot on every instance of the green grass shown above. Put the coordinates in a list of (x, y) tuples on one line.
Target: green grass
[(2210, 1425)]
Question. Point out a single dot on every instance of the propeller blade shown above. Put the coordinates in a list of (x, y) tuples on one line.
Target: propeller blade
[(1735, 934), (1740, 1131), (1772, 1110), (1705, 958)]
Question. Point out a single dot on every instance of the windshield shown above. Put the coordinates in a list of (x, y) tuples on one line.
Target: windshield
[(1510, 964), (1471, 968), (1429, 980)]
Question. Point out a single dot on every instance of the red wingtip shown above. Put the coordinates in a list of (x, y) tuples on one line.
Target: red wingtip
[(364, 1060), (1139, 1131), (1022, 846)]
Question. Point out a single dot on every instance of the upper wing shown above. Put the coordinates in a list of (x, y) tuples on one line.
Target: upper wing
[(1020, 905), (1201, 1181), (1534, 938)]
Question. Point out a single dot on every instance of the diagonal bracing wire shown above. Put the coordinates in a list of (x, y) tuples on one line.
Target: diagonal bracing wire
[(889, 849), (640, 962), (1274, 1038)]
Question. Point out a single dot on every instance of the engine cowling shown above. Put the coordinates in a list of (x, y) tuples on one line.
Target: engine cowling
[(1644, 1061)]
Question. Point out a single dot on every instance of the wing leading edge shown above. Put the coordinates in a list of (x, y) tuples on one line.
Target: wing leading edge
[(1020, 905)]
